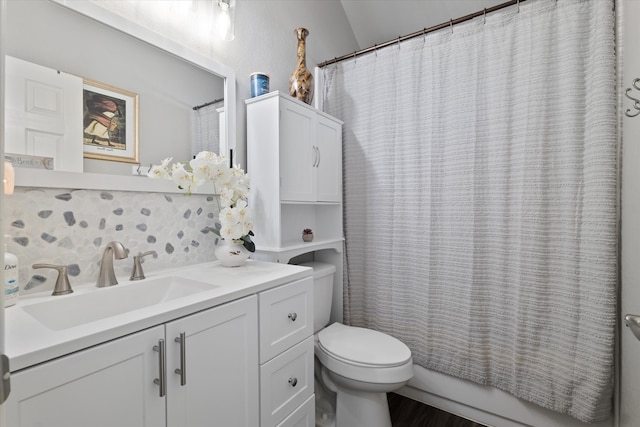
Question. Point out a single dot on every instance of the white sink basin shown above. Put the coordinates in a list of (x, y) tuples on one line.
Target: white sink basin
[(71, 310)]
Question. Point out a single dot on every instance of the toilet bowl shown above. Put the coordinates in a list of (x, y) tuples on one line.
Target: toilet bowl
[(359, 365)]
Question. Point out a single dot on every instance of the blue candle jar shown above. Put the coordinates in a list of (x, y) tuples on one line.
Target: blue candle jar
[(259, 84)]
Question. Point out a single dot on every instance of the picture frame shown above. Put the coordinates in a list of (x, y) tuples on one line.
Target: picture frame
[(110, 123)]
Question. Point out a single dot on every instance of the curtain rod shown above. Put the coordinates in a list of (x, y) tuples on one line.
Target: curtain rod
[(215, 101), (450, 23)]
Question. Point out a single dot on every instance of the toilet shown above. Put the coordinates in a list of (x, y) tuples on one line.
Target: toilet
[(358, 366)]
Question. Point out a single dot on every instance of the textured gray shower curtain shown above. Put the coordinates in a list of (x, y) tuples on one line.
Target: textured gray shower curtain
[(480, 181)]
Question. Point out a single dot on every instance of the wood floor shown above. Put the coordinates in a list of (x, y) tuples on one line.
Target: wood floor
[(409, 413)]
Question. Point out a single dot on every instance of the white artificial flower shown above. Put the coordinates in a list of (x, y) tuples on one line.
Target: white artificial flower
[(226, 196), (231, 184), (182, 177), (157, 172), (231, 232)]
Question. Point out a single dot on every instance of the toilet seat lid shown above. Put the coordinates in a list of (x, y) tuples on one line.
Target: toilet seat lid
[(363, 346)]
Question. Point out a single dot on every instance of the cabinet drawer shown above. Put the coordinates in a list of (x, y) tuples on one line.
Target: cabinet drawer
[(286, 317), (286, 382), (304, 416)]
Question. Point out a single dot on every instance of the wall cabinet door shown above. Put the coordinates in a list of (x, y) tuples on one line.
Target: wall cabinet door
[(328, 169), (108, 385), (213, 372), (310, 155), (297, 152)]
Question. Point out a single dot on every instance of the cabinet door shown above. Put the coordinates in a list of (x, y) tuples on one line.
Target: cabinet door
[(108, 385), (329, 160), (298, 152), (220, 367)]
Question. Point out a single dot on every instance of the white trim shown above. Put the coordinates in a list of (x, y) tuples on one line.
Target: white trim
[(42, 178)]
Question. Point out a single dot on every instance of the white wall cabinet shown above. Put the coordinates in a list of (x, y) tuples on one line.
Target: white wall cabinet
[(310, 147), (294, 159), (211, 377)]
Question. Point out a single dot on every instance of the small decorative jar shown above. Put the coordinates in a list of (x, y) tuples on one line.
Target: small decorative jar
[(307, 235)]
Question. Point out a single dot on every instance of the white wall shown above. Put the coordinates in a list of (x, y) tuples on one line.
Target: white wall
[(264, 41)]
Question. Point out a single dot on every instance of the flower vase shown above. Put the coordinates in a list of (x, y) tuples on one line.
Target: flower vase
[(301, 80), (231, 254)]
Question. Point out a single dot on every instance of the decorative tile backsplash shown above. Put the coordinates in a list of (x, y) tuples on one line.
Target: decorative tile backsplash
[(72, 227)]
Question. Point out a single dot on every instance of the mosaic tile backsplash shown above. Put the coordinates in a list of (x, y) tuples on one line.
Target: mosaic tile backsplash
[(72, 228)]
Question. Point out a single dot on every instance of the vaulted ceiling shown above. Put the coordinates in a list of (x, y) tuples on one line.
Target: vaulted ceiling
[(378, 21)]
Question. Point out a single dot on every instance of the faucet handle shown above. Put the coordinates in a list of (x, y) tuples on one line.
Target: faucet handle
[(136, 272), (62, 282)]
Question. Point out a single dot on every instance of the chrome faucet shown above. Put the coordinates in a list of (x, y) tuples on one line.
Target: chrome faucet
[(107, 277)]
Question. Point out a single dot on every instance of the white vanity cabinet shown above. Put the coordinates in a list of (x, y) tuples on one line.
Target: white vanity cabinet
[(294, 159), (212, 367), (210, 376), (104, 386), (286, 355)]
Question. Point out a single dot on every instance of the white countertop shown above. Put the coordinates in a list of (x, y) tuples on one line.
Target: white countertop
[(29, 342)]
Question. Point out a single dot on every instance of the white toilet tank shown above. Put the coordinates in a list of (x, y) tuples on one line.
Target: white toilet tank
[(322, 292)]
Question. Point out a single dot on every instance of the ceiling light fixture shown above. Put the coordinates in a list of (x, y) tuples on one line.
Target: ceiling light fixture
[(226, 12)]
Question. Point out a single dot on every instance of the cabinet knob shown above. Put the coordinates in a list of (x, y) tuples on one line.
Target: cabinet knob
[(293, 381), (293, 316)]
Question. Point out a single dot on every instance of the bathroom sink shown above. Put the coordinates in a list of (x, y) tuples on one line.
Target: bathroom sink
[(72, 310)]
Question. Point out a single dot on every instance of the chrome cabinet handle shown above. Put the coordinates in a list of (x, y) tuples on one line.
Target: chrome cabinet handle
[(182, 371), (293, 316), (318, 163), (315, 157), (633, 322), (293, 381), (161, 381)]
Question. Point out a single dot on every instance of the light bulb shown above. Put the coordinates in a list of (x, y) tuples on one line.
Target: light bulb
[(224, 22)]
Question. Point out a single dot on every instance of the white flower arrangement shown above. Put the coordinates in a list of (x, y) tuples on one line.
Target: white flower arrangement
[(230, 184)]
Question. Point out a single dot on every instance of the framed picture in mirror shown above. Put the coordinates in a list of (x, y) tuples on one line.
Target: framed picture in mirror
[(110, 123)]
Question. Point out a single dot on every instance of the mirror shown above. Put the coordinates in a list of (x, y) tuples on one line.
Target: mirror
[(86, 40)]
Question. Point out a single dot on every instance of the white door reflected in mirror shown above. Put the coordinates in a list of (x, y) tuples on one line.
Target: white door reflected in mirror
[(43, 114)]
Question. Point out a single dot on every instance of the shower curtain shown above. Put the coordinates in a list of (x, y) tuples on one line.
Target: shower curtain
[(480, 199), (205, 130)]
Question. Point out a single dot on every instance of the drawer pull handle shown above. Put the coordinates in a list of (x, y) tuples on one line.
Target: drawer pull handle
[(293, 381), (293, 316)]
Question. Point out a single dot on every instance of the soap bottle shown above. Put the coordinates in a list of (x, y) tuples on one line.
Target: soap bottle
[(11, 285)]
